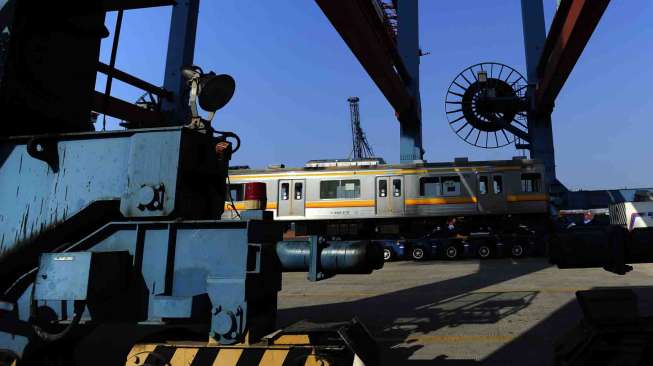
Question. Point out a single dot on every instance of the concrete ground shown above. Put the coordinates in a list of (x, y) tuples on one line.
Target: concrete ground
[(492, 312)]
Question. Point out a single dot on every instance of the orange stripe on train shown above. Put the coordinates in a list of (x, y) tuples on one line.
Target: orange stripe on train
[(433, 201), (336, 204), (527, 197), (241, 206), (440, 201)]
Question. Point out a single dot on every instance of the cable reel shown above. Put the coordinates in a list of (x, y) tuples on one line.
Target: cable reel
[(486, 105)]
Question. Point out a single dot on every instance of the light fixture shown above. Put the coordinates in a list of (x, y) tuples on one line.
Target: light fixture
[(210, 90)]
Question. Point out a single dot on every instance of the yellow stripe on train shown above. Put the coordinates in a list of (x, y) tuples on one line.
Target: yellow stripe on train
[(241, 206), (433, 201), (440, 201), (339, 204), (527, 197)]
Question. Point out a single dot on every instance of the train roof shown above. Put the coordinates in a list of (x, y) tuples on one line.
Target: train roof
[(340, 165)]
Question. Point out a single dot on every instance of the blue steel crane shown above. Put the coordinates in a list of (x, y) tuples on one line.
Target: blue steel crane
[(383, 35), (112, 250), (492, 105), (113, 238)]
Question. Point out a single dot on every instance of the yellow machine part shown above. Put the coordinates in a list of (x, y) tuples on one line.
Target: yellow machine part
[(287, 350), (7, 360)]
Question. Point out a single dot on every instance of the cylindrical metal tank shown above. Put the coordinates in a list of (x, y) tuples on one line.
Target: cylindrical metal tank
[(341, 257)]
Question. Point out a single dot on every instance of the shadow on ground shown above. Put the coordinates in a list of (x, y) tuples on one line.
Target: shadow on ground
[(393, 317)]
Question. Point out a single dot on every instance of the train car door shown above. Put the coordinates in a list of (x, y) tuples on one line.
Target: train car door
[(491, 194), (390, 195), (292, 197)]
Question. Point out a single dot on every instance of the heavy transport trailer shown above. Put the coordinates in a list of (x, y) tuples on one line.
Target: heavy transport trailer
[(371, 200), (483, 245)]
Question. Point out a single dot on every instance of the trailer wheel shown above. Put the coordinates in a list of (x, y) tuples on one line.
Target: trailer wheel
[(451, 252), (517, 250), (387, 255), (418, 254), (484, 251)]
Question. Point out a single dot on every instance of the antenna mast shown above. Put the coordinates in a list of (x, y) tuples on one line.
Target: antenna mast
[(361, 149)]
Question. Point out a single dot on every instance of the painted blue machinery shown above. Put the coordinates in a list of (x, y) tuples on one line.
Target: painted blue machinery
[(123, 226), (111, 239), (159, 260)]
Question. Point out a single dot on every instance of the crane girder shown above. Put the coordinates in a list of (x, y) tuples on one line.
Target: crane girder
[(571, 29), (361, 26)]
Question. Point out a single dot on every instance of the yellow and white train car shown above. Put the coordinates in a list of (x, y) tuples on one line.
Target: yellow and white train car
[(354, 194)]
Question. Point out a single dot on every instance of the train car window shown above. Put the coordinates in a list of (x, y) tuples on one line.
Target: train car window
[(349, 188), (450, 186), (482, 184), (396, 187), (430, 187), (235, 192), (530, 182), (299, 190), (330, 189), (285, 187), (383, 188), (497, 184)]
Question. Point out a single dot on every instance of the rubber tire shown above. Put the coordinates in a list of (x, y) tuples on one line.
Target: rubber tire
[(387, 255), (484, 252), (451, 252), (517, 251), (417, 254)]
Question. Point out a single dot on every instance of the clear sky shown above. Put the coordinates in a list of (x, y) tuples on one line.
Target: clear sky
[(294, 74)]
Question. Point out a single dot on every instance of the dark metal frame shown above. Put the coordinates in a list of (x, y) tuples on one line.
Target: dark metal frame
[(181, 46)]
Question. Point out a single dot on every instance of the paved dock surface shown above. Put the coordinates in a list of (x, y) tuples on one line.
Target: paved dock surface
[(492, 312)]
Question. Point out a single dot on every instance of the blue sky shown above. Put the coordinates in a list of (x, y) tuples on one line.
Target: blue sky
[(294, 74)]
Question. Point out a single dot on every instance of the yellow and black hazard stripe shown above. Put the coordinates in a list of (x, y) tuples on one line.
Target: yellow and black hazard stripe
[(172, 355)]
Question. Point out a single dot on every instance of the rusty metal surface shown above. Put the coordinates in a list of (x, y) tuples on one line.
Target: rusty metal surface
[(365, 33), (571, 29)]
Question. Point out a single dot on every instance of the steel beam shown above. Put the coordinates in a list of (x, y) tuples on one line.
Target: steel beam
[(408, 45), (571, 29), (539, 125), (125, 111), (361, 27), (113, 5), (133, 80), (181, 48)]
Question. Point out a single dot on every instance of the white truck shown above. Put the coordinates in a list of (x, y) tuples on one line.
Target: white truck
[(633, 215)]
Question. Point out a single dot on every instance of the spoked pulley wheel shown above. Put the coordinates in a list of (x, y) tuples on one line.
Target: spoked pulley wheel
[(485, 105)]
